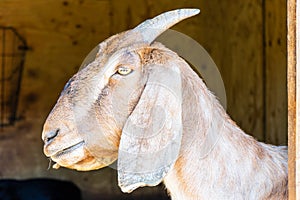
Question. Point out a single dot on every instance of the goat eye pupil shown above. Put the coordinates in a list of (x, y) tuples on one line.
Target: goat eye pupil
[(124, 70)]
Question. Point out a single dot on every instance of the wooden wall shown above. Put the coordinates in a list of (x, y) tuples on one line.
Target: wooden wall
[(245, 38), (275, 66)]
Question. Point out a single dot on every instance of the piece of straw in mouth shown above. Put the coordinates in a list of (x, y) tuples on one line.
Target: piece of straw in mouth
[(56, 166)]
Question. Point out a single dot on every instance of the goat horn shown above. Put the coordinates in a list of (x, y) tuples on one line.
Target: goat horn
[(152, 28)]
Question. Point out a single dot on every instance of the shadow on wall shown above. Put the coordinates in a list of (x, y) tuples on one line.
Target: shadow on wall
[(38, 189), (145, 193), (51, 189)]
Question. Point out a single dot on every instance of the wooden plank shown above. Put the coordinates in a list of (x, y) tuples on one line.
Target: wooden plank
[(275, 72), (242, 63), (297, 136), (126, 15), (291, 7)]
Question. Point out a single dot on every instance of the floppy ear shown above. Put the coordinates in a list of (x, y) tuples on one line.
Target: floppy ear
[(151, 138)]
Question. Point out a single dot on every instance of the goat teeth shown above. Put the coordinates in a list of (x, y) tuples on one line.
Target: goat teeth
[(56, 166)]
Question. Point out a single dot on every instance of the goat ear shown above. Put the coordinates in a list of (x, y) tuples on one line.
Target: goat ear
[(151, 137)]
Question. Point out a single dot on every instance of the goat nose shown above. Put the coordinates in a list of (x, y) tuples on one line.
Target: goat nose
[(49, 136)]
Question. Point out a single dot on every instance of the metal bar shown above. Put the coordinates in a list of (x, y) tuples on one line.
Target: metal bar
[(11, 69), (2, 114), (14, 96), (19, 78)]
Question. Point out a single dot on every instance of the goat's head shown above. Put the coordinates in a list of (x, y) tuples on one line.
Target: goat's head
[(125, 104)]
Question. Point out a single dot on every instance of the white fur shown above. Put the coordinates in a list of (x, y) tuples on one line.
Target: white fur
[(236, 166)]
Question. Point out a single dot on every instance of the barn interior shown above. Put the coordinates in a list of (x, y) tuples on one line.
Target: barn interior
[(43, 43)]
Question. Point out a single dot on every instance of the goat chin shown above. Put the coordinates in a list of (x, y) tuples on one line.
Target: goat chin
[(230, 165)]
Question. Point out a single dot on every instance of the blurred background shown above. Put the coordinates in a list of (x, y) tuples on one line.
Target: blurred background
[(47, 41)]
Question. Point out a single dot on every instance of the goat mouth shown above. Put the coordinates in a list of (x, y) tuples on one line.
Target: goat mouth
[(68, 149)]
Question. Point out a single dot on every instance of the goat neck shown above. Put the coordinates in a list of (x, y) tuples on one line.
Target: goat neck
[(217, 159)]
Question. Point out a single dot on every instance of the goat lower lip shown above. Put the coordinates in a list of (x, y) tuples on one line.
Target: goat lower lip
[(69, 149)]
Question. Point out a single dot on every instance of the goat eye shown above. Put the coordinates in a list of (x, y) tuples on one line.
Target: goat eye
[(124, 70)]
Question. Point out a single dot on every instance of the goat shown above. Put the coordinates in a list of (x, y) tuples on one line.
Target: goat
[(139, 102)]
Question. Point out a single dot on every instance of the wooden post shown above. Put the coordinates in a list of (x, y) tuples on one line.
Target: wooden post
[(292, 114)]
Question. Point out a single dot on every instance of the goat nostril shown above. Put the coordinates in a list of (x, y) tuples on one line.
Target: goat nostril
[(51, 135)]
